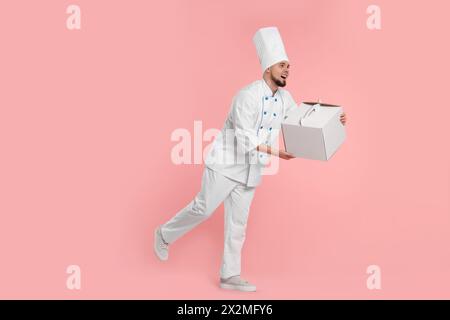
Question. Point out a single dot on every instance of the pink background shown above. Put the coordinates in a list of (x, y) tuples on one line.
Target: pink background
[(86, 174)]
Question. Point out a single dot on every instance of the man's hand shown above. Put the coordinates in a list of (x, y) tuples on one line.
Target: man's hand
[(343, 118), (285, 155), (279, 153)]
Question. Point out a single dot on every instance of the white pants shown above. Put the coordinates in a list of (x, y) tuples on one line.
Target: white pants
[(215, 189)]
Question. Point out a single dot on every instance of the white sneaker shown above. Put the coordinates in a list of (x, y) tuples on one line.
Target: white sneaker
[(161, 248), (236, 283)]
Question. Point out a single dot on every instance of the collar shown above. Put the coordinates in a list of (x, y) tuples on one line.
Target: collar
[(267, 91)]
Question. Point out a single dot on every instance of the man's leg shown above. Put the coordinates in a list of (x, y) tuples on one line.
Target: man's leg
[(237, 206), (215, 188)]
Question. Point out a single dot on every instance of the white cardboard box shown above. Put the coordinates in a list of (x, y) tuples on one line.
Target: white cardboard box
[(313, 131)]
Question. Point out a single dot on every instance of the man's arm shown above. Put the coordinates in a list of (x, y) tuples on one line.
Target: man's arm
[(275, 152), (244, 113)]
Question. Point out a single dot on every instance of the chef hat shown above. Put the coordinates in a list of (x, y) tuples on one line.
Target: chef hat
[(269, 47)]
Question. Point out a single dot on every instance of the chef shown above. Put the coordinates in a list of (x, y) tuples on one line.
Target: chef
[(233, 167)]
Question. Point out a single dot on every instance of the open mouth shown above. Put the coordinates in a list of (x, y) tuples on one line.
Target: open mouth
[(284, 77)]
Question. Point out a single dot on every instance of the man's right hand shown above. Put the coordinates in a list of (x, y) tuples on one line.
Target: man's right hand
[(279, 153), (285, 155)]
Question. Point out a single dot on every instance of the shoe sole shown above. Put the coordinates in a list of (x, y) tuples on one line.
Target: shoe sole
[(237, 287), (154, 247)]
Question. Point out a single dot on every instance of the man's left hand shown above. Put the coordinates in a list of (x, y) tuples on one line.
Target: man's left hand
[(343, 118)]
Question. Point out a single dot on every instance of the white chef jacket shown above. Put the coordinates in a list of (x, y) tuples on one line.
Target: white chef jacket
[(254, 118)]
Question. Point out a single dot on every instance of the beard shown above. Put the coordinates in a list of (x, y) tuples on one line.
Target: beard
[(281, 83)]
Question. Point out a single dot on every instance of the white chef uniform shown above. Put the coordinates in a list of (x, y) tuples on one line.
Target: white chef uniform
[(233, 165), (254, 119)]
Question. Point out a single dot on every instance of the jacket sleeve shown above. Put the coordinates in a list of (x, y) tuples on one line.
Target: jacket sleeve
[(244, 114)]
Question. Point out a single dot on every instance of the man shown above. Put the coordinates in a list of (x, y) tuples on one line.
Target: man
[(236, 159)]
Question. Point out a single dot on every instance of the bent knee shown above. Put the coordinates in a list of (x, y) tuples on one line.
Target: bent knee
[(200, 208)]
